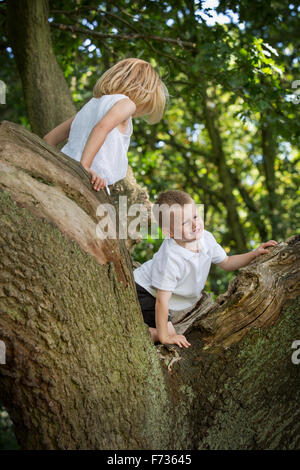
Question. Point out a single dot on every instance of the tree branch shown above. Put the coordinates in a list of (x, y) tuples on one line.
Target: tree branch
[(126, 37)]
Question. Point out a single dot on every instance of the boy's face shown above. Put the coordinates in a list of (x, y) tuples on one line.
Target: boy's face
[(186, 224)]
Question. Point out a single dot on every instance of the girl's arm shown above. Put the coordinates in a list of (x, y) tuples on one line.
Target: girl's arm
[(59, 133), (120, 112)]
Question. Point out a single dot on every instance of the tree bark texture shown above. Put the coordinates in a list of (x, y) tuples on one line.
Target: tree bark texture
[(47, 97), (81, 371), (65, 291)]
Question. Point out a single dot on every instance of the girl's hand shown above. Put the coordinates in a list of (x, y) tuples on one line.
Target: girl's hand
[(96, 180), (261, 250)]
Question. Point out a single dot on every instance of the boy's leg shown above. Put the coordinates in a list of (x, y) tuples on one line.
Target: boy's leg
[(147, 302), (154, 335)]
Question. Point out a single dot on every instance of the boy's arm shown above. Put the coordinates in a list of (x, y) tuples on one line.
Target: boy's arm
[(59, 133), (238, 261), (161, 320)]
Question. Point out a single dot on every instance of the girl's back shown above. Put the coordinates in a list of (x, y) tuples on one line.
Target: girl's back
[(111, 160), (99, 134)]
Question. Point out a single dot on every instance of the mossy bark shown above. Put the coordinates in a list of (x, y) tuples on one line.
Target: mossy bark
[(81, 368), (245, 396), (81, 371)]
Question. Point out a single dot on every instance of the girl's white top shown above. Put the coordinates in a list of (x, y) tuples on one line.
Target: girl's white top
[(110, 161)]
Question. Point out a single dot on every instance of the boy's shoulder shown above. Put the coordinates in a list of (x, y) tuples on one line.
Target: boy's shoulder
[(208, 236), (166, 247), (168, 252)]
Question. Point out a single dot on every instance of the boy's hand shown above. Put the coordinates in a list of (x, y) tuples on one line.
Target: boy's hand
[(96, 180), (180, 340), (261, 250)]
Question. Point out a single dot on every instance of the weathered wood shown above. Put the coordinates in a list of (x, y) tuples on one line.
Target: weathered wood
[(254, 298)]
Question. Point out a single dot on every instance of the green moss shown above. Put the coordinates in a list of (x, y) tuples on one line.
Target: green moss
[(260, 401), (91, 336)]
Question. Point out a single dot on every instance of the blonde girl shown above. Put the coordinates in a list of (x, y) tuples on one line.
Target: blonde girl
[(99, 134)]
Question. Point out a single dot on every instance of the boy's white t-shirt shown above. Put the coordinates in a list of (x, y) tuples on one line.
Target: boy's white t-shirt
[(110, 161), (179, 270)]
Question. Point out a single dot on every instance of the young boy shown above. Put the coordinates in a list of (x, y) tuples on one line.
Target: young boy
[(176, 275)]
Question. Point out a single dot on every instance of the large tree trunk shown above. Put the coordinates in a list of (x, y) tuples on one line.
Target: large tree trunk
[(47, 97), (68, 306), (81, 371)]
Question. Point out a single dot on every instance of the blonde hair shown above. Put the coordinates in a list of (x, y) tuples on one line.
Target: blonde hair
[(138, 80)]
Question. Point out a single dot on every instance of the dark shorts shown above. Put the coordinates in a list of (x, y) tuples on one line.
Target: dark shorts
[(147, 302)]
